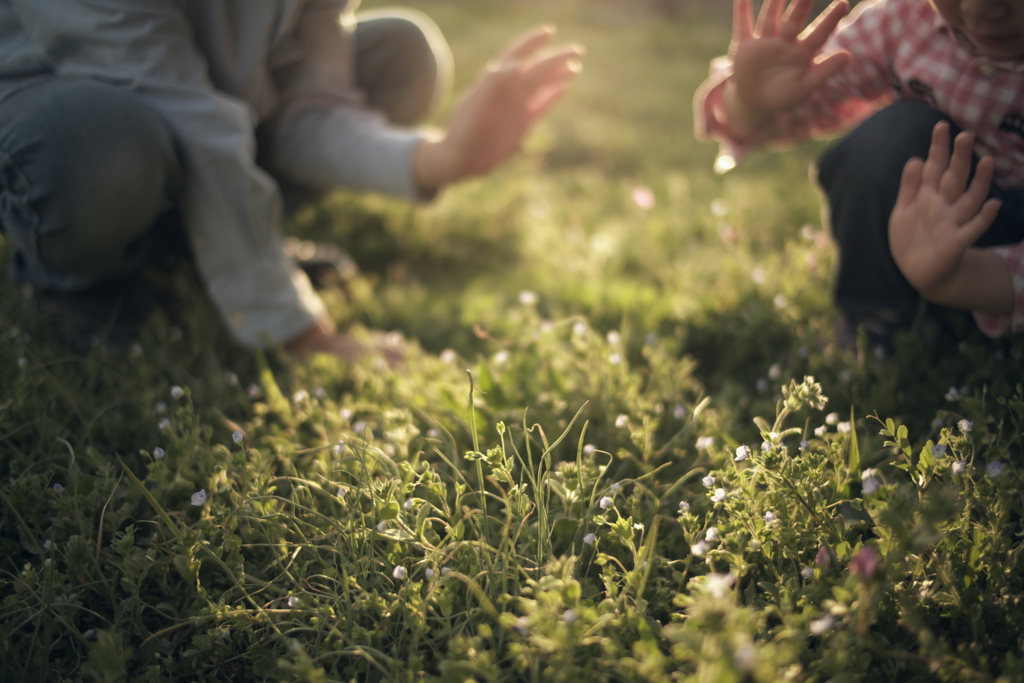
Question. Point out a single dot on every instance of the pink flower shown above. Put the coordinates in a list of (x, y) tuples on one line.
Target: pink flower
[(865, 563), (643, 197)]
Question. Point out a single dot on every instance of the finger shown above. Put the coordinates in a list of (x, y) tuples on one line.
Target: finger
[(819, 32), (795, 18), (910, 183), (742, 21), (824, 68), (559, 65), (768, 18), (970, 201), (954, 180), (938, 155), (526, 45), (977, 226), (544, 100)]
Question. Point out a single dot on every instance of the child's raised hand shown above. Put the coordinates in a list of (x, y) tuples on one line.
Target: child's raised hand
[(938, 216), (495, 114), (776, 64)]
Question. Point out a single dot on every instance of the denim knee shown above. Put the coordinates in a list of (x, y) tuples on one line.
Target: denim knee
[(85, 170), (403, 63)]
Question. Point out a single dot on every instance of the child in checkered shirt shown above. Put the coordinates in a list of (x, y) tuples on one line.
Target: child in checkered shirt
[(926, 192)]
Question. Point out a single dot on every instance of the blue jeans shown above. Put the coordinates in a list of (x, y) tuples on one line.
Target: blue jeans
[(860, 178), (87, 170)]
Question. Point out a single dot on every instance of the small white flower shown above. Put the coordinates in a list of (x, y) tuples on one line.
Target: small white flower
[(501, 357), (58, 488), (342, 491), (445, 571), (804, 445), (47, 544), (522, 626), (699, 549), (869, 486), (579, 329), (742, 453), (679, 412), (589, 449), (527, 298), (320, 393), (755, 544), (160, 408), (253, 391), (590, 538), (711, 534), (158, 453), (429, 573), (708, 481), (938, 423), (22, 362), (766, 446), (345, 414), (820, 626), (807, 572), (237, 436), (718, 585), (758, 275), (605, 503), (199, 497), (163, 424), (775, 371), (719, 207), (844, 428), (615, 359), (409, 503), (684, 506), (719, 496), (770, 517), (643, 198), (400, 572), (939, 450), (965, 425), (762, 385), (959, 467), (338, 448), (705, 442), (621, 421), (745, 656), (638, 526), (359, 427), (300, 396), (821, 431), (952, 394), (382, 525), (177, 392), (613, 337), (832, 418), (293, 601), (569, 616), (869, 472), (994, 469), (616, 487), (448, 356)]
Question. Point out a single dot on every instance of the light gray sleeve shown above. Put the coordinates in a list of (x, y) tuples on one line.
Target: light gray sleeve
[(322, 136), (231, 208)]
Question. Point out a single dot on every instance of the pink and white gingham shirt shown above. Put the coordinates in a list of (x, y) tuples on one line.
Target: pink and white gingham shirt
[(902, 50)]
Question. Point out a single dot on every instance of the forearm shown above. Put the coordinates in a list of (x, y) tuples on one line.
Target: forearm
[(981, 283)]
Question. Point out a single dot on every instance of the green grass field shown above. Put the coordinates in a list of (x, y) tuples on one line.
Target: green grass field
[(602, 462)]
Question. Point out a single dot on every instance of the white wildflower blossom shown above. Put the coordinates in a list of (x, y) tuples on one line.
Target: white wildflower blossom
[(638, 526), (775, 371), (615, 359), (844, 427), (621, 421), (939, 450), (965, 425), (58, 488), (711, 534), (400, 572), (199, 497), (821, 431), (807, 572), (705, 442), (613, 337), (708, 481), (293, 601), (429, 573), (569, 616), (445, 571), (177, 392), (822, 625), (163, 424), (501, 357), (616, 487), (869, 486), (158, 453), (590, 538), (994, 469), (959, 467), (718, 585), (770, 517), (238, 436), (606, 503), (832, 418), (699, 549), (409, 503), (742, 453), (719, 496), (160, 407), (589, 449), (684, 506), (679, 412), (382, 525), (527, 297), (300, 396)]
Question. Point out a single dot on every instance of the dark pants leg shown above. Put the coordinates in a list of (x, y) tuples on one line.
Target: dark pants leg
[(85, 171), (860, 178)]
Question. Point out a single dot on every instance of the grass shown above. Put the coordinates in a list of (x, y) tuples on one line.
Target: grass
[(526, 500)]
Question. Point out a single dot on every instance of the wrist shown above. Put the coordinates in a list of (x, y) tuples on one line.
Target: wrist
[(743, 120), (433, 165)]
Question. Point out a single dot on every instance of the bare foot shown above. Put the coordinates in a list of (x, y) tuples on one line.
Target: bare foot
[(323, 338)]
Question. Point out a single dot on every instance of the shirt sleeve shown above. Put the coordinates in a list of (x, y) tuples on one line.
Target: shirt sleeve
[(322, 135), (231, 208), (868, 34), (1000, 325)]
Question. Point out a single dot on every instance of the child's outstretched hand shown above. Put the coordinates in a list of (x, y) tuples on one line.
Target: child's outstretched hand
[(495, 114), (776, 64), (937, 218)]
